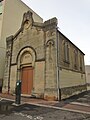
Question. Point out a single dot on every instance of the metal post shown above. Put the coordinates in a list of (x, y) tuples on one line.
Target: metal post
[(18, 92)]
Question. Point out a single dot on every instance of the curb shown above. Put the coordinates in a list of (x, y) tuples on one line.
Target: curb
[(82, 104), (48, 106), (59, 108)]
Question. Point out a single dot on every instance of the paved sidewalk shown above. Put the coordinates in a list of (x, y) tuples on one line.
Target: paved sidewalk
[(81, 108), (79, 103), (29, 100)]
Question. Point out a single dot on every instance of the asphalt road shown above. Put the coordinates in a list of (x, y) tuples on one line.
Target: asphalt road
[(8, 111)]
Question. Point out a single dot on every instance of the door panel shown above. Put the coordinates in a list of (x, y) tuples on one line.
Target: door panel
[(30, 80), (27, 80)]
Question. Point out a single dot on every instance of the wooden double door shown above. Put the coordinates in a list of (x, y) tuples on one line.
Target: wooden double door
[(27, 80)]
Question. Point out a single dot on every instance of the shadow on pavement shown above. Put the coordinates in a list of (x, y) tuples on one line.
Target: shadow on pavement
[(7, 108), (82, 98)]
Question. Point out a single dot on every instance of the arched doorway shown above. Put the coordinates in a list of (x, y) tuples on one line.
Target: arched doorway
[(26, 72), (26, 61)]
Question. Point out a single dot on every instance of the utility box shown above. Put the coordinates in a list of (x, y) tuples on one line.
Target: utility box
[(18, 92)]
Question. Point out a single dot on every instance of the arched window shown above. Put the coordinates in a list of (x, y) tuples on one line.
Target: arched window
[(81, 62), (75, 59), (66, 52)]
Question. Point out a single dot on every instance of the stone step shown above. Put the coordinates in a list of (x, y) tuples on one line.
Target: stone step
[(83, 100), (86, 96)]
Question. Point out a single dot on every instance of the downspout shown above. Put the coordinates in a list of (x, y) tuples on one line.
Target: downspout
[(57, 65)]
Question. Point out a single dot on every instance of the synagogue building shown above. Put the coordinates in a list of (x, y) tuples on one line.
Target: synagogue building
[(48, 64)]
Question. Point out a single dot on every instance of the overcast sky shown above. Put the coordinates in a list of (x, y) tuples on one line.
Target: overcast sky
[(73, 19)]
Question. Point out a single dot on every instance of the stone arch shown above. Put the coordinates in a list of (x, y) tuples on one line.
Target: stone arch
[(26, 55), (50, 42), (25, 68), (49, 50)]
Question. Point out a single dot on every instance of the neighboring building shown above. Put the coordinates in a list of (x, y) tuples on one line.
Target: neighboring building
[(87, 69), (48, 64), (11, 12)]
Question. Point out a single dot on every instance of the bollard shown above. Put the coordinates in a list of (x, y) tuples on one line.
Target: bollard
[(18, 92)]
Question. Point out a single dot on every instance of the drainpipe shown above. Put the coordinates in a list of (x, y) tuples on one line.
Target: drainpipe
[(57, 55)]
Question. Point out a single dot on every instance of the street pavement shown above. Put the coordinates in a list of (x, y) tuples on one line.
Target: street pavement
[(33, 112), (74, 108)]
